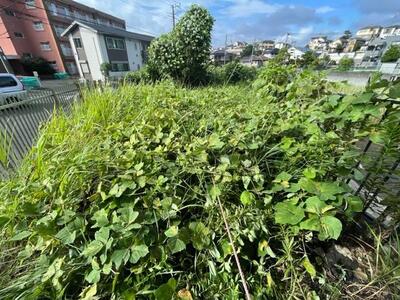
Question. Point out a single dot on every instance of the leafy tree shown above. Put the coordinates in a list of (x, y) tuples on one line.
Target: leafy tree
[(37, 64), (248, 50), (392, 54), (184, 53), (347, 34), (345, 64), (309, 60), (105, 68)]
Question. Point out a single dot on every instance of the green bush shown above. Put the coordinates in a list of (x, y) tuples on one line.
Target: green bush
[(139, 76), (184, 53), (37, 64), (345, 64), (392, 54), (233, 72)]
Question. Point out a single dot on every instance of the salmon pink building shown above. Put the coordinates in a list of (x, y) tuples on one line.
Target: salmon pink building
[(33, 28)]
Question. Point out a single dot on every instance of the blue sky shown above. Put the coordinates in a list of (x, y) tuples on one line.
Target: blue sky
[(250, 20)]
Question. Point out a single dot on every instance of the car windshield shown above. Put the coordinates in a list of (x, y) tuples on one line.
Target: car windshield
[(7, 81)]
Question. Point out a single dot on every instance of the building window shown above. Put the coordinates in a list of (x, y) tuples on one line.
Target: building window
[(119, 67), (38, 26), (30, 4), (59, 29), (45, 46), (78, 43), (9, 12), (66, 49), (53, 9), (115, 43), (19, 35)]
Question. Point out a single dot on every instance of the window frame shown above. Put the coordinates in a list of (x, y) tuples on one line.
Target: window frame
[(45, 43), (35, 23), (112, 43), (19, 35), (120, 66), (78, 39), (30, 4)]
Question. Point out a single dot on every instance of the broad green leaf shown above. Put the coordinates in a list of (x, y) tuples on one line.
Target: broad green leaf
[(355, 204), (128, 215), (89, 293), (288, 213), (66, 236), (283, 177), (92, 249), (101, 218), (308, 185), (312, 224), (102, 235), (176, 245), (120, 256), (200, 235), (21, 236), (247, 198), (172, 231), (309, 267), (328, 190), (310, 173), (137, 252), (358, 175), (215, 142), (315, 205), (331, 228), (166, 291), (215, 192), (226, 248), (377, 137), (264, 249), (394, 91), (93, 276)]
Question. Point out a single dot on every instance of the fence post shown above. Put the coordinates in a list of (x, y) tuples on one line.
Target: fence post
[(56, 99)]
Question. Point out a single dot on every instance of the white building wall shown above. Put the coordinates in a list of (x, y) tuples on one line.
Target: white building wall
[(135, 59), (95, 50)]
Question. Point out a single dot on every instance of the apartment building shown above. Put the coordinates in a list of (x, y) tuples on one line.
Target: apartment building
[(95, 44), (34, 27)]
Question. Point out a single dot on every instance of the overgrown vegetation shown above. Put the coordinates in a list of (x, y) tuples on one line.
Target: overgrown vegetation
[(133, 211), (184, 53)]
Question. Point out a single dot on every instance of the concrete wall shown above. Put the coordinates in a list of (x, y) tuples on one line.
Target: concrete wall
[(354, 78), (95, 52), (135, 59)]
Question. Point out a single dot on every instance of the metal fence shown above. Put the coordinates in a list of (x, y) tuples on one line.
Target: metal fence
[(21, 120)]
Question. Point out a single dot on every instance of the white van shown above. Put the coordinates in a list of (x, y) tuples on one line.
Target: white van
[(11, 89)]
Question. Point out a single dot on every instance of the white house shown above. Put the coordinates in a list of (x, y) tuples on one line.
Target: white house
[(95, 44), (319, 43), (393, 30), (295, 53), (369, 32)]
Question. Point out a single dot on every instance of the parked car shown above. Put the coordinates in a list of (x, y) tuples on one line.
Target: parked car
[(11, 89)]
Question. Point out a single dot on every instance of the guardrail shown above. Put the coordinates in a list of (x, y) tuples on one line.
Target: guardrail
[(20, 121)]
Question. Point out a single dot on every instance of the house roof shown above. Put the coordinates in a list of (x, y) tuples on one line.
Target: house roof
[(107, 30)]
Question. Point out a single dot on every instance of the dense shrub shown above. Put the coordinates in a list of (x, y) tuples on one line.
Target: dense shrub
[(345, 64), (184, 53), (392, 54), (140, 76), (233, 72), (37, 64)]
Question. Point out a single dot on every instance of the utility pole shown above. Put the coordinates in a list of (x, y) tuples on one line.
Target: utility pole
[(226, 42), (174, 7)]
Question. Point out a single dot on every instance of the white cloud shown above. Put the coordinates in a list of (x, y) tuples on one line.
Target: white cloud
[(246, 8), (324, 9)]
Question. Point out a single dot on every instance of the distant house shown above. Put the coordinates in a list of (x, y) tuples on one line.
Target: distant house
[(222, 56), (338, 45), (253, 61), (95, 44), (369, 32), (295, 53), (393, 30), (319, 43), (354, 44), (266, 45)]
